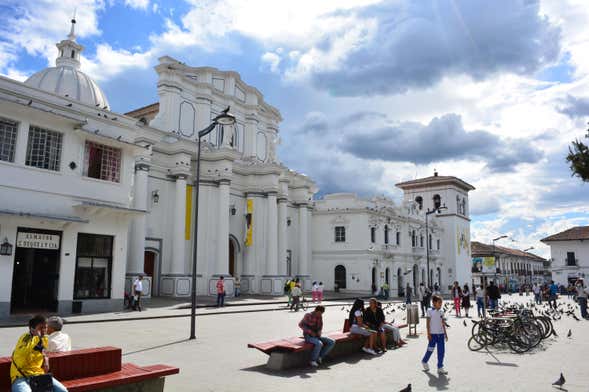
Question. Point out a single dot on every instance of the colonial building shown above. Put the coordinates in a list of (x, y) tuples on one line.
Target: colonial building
[(569, 251), (66, 199), (242, 183), (358, 243), (508, 267), (361, 243)]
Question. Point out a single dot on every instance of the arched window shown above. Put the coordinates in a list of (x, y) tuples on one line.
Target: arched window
[(386, 234), (413, 239), (373, 234), (340, 276), (398, 238), (421, 240), (437, 201), (419, 201)]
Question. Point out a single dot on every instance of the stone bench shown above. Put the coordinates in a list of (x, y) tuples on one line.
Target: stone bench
[(98, 369)]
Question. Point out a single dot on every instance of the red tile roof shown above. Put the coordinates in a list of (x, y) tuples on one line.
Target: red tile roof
[(480, 249), (572, 234)]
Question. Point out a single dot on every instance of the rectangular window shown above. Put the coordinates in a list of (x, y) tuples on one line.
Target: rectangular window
[(93, 266), (44, 148), (438, 243), (398, 238), (413, 239), (373, 234), (571, 262), (8, 130), (340, 234), (430, 242), (421, 241), (386, 234), (102, 162)]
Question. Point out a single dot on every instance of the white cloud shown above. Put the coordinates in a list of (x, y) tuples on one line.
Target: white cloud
[(137, 4), (273, 61), (109, 62)]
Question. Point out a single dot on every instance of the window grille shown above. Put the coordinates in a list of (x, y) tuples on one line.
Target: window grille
[(102, 162), (340, 234), (44, 148), (8, 130)]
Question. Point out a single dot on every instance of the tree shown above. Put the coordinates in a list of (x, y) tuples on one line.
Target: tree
[(578, 159)]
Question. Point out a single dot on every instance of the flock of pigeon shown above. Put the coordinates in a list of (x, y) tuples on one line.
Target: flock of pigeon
[(562, 310)]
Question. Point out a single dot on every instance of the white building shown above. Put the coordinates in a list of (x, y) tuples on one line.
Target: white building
[(240, 175), (569, 251), (66, 170), (359, 243)]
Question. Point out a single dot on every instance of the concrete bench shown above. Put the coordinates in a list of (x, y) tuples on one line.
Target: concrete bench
[(98, 369), (294, 352)]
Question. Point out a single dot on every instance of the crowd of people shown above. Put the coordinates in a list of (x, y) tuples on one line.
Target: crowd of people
[(29, 358)]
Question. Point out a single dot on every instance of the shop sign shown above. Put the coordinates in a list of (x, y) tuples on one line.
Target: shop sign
[(37, 240)]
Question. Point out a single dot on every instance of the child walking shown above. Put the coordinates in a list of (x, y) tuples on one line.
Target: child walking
[(436, 334)]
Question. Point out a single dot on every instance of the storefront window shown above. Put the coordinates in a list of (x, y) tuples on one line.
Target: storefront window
[(93, 266)]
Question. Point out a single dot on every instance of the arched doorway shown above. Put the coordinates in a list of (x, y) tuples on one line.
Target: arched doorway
[(415, 276), (439, 272), (150, 265), (234, 249), (423, 277), (373, 286), (340, 276), (400, 290), (387, 276)]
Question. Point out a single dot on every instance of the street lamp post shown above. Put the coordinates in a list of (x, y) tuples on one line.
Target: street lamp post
[(225, 118), (531, 273), (495, 257), (427, 214)]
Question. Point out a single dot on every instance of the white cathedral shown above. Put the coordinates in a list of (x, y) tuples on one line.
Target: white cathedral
[(90, 198)]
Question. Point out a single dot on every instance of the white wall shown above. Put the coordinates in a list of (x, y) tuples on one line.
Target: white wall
[(558, 252)]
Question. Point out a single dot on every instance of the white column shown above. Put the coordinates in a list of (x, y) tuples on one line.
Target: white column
[(178, 240), (282, 244), (272, 230), (303, 241), (223, 229), (135, 261)]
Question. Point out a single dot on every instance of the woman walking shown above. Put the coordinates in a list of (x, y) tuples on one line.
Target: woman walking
[(457, 297), (466, 299)]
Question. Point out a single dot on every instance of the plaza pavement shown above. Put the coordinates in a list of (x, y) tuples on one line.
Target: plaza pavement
[(219, 359)]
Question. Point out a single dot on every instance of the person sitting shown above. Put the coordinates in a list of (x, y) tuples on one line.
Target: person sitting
[(393, 329), (357, 326), (374, 318), (29, 359), (58, 340), (312, 325)]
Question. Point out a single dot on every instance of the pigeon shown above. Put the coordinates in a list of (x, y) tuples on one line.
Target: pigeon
[(30, 102), (569, 334), (560, 382), (69, 105), (464, 322), (576, 318), (343, 307), (407, 389)]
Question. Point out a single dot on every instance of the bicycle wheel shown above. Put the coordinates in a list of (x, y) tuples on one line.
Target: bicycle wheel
[(474, 344)]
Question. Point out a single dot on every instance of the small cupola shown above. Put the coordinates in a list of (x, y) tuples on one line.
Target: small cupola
[(69, 50)]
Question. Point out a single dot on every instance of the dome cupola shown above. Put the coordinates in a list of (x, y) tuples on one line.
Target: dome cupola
[(66, 79)]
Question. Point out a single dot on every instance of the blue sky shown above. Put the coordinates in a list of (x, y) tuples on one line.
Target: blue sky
[(372, 92)]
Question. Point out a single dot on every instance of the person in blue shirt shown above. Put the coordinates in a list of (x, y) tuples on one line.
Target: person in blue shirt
[(553, 293)]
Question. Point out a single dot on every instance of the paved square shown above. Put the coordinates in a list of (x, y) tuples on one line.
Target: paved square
[(219, 359)]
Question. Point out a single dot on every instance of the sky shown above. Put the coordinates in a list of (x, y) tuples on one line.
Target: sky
[(372, 92)]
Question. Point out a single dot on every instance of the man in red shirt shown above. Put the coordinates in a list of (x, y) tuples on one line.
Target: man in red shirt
[(312, 324), (220, 292)]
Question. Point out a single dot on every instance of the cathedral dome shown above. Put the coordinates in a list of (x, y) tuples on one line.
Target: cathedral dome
[(66, 79)]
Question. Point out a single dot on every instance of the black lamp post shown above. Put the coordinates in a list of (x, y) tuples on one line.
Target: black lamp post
[(225, 118), (427, 241), (495, 257)]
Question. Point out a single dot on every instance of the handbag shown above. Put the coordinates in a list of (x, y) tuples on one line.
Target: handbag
[(40, 383)]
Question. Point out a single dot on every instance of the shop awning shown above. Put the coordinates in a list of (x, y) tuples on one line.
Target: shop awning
[(41, 215), (95, 207)]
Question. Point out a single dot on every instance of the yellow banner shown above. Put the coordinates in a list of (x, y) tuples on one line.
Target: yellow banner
[(249, 223), (188, 218)]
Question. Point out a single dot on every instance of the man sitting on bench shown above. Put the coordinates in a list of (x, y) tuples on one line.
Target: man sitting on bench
[(312, 324)]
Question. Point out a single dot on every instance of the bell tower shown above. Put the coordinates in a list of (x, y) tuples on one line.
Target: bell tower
[(452, 193)]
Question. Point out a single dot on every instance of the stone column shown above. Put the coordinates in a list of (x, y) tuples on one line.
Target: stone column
[(272, 230), (303, 241), (282, 238), (135, 261), (222, 265), (178, 240)]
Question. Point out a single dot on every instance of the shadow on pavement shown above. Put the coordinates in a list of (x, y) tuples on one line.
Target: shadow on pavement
[(306, 372), (156, 347), (440, 382)]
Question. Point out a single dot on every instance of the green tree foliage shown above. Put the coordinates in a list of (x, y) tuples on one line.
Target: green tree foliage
[(578, 159)]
